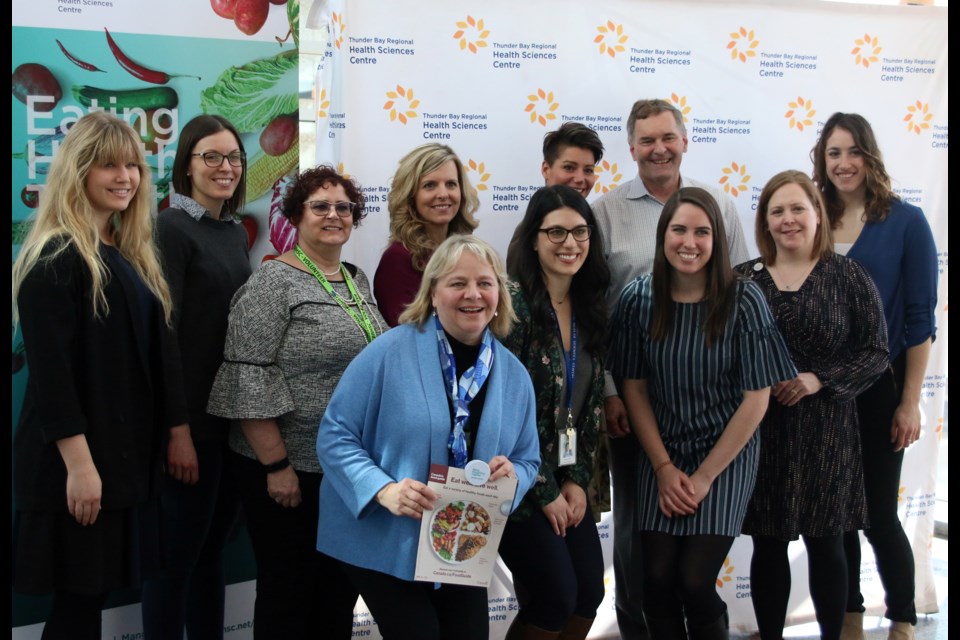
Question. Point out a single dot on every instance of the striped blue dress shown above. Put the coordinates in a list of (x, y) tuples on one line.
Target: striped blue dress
[(694, 391)]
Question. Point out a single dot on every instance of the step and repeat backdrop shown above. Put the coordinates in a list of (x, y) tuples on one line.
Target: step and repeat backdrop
[(755, 82)]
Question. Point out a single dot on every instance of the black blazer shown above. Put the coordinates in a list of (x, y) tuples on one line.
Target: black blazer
[(108, 377)]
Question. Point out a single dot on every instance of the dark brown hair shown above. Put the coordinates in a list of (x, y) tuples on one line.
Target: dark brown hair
[(878, 192), (309, 181), (195, 130), (720, 290)]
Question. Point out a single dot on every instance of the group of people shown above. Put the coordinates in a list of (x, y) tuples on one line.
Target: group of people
[(170, 390)]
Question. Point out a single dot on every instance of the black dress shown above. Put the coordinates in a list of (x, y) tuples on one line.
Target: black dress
[(810, 478)]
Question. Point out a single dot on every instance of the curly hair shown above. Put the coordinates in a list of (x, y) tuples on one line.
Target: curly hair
[(406, 225), (879, 193), (588, 289), (305, 184)]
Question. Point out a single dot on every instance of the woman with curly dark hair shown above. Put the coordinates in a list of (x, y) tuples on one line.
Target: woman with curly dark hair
[(293, 329), (559, 289)]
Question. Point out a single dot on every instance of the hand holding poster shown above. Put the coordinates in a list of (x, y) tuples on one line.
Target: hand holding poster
[(459, 539)]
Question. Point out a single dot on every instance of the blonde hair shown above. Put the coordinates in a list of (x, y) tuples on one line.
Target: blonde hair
[(66, 217), (406, 225), (442, 262)]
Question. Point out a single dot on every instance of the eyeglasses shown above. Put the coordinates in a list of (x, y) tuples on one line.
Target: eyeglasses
[(558, 235), (322, 208), (215, 158)]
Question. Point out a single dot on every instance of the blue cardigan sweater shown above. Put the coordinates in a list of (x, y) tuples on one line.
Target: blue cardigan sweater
[(388, 420)]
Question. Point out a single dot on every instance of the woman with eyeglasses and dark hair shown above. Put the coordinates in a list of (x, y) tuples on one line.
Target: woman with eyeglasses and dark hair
[(559, 288), (293, 329), (205, 259)]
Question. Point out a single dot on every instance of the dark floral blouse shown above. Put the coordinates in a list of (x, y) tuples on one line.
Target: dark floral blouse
[(538, 348)]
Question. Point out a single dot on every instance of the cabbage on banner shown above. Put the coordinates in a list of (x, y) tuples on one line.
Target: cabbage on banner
[(253, 95)]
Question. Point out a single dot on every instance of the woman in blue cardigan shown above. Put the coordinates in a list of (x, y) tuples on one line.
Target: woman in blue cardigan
[(394, 413), (893, 242)]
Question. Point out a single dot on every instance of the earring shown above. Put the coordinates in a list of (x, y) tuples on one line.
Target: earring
[(496, 313)]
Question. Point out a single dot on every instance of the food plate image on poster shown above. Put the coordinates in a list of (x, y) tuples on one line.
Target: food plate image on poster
[(459, 538)]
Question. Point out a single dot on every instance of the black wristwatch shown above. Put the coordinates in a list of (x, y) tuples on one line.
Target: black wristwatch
[(279, 465)]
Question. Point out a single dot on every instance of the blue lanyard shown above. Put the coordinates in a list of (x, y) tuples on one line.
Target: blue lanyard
[(570, 361)]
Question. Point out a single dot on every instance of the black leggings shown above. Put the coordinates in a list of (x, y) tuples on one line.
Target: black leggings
[(563, 576), (74, 617), (770, 583), (680, 575), (881, 483), (406, 610)]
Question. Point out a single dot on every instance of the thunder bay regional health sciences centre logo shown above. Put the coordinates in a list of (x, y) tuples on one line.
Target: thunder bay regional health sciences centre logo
[(918, 117), (680, 102), (482, 176), (735, 179), (800, 113), (611, 39), (866, 50), (401, 104), (608, 177), (742, 44), (323, 103), (471, 34), (541, 107), (336, 29)]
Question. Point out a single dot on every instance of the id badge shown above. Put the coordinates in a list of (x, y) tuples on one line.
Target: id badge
[(568, 447)]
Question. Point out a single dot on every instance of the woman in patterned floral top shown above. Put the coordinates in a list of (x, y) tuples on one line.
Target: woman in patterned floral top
[(550, 545)]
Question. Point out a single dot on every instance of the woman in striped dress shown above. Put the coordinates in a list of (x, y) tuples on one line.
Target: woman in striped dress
[(698, 351)]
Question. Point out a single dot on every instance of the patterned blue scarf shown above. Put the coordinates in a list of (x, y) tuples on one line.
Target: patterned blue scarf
[(463, 392)]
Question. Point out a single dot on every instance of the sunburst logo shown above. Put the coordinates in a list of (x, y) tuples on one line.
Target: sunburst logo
[(918, 117), (337, 28), (866, 50), (800, 113), (482, 176), (401, 104), (342, 171), (608, 177), (735, 179), (939, 429), (541, 107), (742, 44), (680, 102), (901, 493), (471, 34), (611, 39), (724, 576), (324, 104)]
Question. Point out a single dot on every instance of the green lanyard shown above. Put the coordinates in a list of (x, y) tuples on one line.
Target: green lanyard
[(360, 316)]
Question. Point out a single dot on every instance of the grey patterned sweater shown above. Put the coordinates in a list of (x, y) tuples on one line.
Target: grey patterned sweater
[(288, 343)]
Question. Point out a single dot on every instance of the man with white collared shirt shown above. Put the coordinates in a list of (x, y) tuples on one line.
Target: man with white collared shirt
[(627, 220)]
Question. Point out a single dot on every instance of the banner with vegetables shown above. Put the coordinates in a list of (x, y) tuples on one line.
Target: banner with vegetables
[(235, 58)]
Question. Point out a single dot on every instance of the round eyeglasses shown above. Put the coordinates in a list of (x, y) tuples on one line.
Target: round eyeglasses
[(322, 208), (214, 158), (558, 235)]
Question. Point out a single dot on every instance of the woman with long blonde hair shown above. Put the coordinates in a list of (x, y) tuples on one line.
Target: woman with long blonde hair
[(90, 299), (430, 200)]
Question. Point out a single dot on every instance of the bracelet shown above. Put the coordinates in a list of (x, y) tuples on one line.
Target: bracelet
[(660, 466), (279, 465)]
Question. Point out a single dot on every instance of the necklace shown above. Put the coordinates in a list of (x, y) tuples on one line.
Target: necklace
[(332, 273), (558, 301), (790, 286), (360, 316)]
